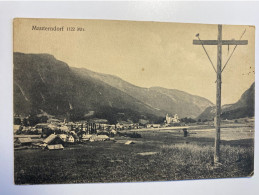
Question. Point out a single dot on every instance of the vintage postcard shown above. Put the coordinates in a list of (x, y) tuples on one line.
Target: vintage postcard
[(123, 101)]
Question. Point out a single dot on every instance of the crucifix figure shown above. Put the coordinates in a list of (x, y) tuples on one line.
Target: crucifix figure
[(218, 71)]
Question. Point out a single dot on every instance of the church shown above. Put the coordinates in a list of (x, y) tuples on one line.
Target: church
[(169, 119)]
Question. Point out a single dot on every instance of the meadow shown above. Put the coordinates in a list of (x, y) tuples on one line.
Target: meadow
[(159, 155)]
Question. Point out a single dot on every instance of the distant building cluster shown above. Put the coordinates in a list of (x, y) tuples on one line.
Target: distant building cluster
[(54, 134), (171, 120)]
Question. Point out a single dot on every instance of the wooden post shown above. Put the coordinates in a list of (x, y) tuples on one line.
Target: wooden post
[(219, 42), (218, 97)]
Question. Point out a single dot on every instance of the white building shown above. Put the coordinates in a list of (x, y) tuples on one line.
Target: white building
[(169, 119), (70, 139)]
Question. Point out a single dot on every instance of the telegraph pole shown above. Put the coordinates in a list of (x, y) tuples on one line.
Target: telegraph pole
[(219, 42), (218, 96)]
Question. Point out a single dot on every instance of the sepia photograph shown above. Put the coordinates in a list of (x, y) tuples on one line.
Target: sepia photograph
[(108, 101)]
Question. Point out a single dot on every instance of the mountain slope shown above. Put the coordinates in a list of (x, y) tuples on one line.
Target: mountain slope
[(170, 101), (244, 107), (43, 83)]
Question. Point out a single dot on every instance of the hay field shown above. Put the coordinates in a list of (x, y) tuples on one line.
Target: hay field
[(157, 156)]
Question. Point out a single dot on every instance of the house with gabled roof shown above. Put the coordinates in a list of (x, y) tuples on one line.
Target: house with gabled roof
[(24, 141), (63, 137), (53, 139), (86, 137), (70, 139)]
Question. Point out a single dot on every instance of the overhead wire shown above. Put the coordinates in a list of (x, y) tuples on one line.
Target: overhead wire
[(207, 53), (232, 52)]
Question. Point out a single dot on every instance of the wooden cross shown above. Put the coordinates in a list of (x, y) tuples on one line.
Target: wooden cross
[(219, 44)]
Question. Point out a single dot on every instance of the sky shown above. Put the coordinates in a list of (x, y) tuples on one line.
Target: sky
[(146, 54)]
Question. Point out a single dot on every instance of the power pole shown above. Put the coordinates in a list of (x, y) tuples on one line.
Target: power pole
[(219, 42), (218, 96)]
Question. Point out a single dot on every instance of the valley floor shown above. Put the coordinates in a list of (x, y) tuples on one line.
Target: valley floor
[(160, 155)]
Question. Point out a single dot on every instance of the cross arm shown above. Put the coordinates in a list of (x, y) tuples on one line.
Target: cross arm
[(224, 42)]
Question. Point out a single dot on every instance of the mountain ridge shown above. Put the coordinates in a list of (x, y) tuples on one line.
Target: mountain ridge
[(151, 95), (41, 82), (244, 107)]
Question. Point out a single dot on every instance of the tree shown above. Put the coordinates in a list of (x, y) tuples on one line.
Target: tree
[(17, 121), (25, 122)]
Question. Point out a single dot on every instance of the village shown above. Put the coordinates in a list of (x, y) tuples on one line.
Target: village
[(55, 134), (86, 151)]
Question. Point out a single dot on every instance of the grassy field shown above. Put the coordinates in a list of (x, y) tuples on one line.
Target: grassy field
[(157, 156)]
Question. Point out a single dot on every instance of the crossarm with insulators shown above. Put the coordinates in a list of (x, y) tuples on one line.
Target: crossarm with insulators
[(224, 42)]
